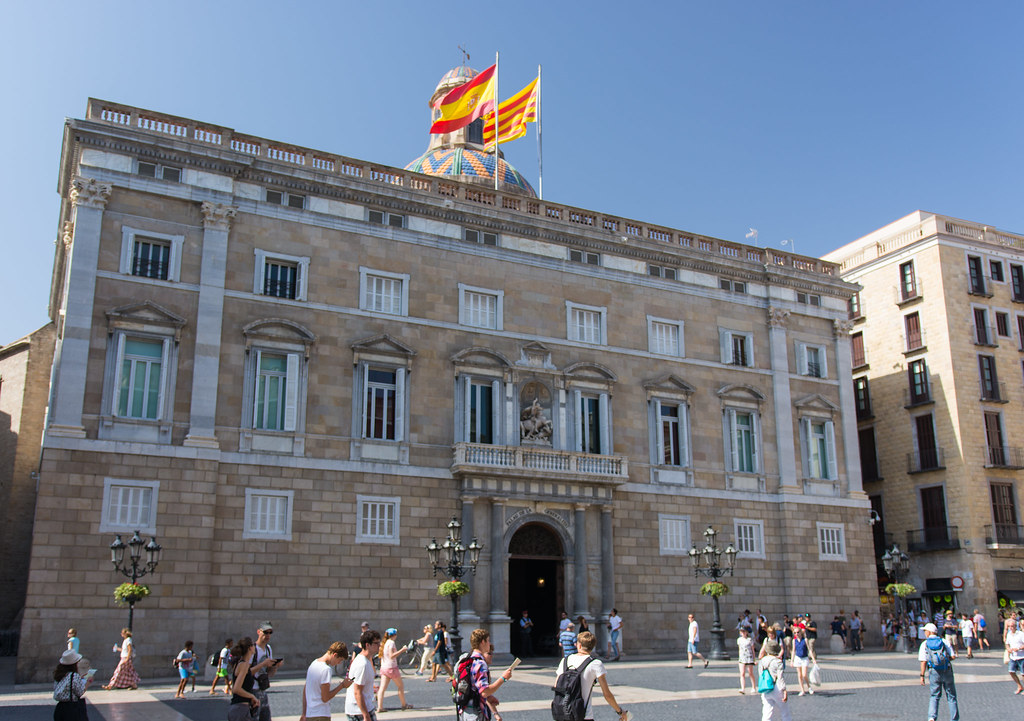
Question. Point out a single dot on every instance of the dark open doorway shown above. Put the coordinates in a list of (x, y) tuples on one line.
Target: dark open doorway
[(536, 582)]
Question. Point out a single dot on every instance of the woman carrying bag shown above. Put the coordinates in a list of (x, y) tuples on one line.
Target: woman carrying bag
[(244, 704), (69, 687)]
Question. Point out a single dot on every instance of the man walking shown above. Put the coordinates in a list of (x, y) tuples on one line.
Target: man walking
[(811, 631), (615, 633), (856, 631), (594, 672), (264, 667), (478, 708), (359, 700), (692, 639), (936, 657), (1015, 647), (316, 699)]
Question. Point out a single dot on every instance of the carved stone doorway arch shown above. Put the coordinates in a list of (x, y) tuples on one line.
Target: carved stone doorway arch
[(536, 582)]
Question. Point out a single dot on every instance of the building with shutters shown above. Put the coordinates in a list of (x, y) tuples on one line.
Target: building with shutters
[(938, 357), (294, 367)]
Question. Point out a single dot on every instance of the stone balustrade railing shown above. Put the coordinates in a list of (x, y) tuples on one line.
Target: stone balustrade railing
[(544, 460)]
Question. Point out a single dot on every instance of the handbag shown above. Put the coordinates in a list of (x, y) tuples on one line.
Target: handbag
[(815, 675), (73, 710), (242, 712), (765, 682)]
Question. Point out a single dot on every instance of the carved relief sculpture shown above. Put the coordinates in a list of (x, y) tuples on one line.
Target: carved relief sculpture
[(534, 417)]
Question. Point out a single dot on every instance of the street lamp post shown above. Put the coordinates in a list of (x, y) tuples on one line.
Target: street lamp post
[(453, 565), (135, 570), (897, 566), (707, 562)]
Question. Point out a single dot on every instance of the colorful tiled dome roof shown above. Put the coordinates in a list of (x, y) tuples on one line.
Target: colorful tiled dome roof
[(470, 164)]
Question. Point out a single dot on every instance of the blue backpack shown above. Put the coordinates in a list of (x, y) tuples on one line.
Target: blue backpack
[(937, 654)]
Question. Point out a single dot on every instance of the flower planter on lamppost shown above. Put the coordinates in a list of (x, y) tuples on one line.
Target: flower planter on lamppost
[(707, 562), (453, 565), (897, 566), (133, 593)]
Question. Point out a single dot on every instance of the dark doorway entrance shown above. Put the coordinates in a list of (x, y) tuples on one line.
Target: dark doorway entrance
[(536, 582)]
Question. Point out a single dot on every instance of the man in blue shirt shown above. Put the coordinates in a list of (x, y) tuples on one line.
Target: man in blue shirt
[(525, 634), (567, 639)]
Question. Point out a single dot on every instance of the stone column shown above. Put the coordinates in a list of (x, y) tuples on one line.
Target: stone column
[(782, 402), (498, 618), (848, 407), (468, 618), (89, 198), (580, 591), (209, 320), (607, 577)]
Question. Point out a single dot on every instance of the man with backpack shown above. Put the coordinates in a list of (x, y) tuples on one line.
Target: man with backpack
[(471, 684), (574, 685), (936, 656)]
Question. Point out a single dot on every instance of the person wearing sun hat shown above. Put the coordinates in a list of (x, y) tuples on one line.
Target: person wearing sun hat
[(69, 687)]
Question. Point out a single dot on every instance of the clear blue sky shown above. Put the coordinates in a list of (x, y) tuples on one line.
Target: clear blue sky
[(818, 121)]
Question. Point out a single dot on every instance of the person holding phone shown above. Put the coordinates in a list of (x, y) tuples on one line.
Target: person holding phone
[(389, 670), (264, 666), (317, 694)]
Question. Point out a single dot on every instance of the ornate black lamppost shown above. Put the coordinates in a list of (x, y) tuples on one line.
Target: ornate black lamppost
[(707, 562), (452, 564), (897, 566), (134, 572)]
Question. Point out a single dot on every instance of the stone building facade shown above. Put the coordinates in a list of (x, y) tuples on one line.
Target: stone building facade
[(937, 340), (295, 367)]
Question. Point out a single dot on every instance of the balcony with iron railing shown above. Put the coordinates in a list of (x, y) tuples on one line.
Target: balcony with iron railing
[(906, 295), (913, 397), (1011, 457), (533, 461), (994, 392), (984, 335), (1004, 534), (939, 538), (915, 342), (931, 459)]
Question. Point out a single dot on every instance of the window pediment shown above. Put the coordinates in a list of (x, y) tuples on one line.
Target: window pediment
[(590, 371), (816, 403), (669, 383), (278, 332), (736, 393), (383, 347), (480, 357), (146, 316)]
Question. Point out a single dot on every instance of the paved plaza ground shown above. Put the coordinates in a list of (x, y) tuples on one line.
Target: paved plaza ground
[(875, 686)]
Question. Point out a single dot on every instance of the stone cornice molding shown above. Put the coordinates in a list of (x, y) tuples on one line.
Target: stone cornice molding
[(778, 318), (218, 216), (90, 193), (842, 327)]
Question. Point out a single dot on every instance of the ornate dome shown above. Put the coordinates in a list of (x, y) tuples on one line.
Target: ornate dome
[(460, 154), (469, 164)]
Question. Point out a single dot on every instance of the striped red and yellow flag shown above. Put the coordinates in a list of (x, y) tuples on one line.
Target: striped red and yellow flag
[(464, 104), (513, 115)]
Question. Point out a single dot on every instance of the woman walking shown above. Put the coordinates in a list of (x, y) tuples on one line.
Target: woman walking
[(801, 660), (389, 670), (747, 662), (428, 650), (69, 687), (124, 675), (244, 704)]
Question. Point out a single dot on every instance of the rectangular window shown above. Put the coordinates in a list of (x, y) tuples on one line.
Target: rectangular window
[(590, 425), (586, 323), (481, 309), (378, 519), (997, 455), (672, 433), (380, 409), (481, 413), (674, 535), (854, 307), (811, 360), (1004, 513), (280, 279), (857, 350), (919, 385), (382, 292), (927, 448), (908, 281), (1003, 324), (268, 514), (750, 538), (976, 275), (989, 379), (982, 333), (736, 348), (292, 200), (582, 256), (743, 438), (820, 449), (933, 512), (808, 298), (151, 258), (140, 378), (156, 170), (995, 269), (660, 271), (862, 397), (129, 506), (912, 325), (1020, 330), (381, 218), (271, 389), (665, 337), (868, 455), (1017, 279), (831, 542), (479, 236)]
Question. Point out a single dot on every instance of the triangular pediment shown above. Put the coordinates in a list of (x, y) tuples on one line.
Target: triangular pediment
[(669, 383), (383, 344), (535, 355), (816, 402), (146, 312)]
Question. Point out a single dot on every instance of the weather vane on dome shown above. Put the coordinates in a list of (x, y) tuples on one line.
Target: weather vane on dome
[(465, 55)]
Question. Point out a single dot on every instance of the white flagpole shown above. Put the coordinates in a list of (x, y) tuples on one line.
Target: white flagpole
[(496, 138), (540, 146)]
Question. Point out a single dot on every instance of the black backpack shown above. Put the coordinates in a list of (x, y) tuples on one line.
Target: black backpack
[(464, 693), (568, 703)]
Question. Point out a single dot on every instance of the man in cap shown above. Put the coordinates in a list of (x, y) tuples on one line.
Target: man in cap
[(264, 667), (936, 656)]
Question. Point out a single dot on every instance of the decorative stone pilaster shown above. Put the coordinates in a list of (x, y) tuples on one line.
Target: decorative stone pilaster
[(580, 590), (842, 328), (782, 400), (468, 618), (498, 618), (848, 407), (217, 219), (607, 576), (81, 237)]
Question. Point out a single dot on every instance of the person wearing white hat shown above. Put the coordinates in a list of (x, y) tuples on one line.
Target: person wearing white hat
[(69, 686), (936, 656)]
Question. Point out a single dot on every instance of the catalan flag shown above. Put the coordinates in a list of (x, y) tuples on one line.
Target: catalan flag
[(513, 115), (464, 104)]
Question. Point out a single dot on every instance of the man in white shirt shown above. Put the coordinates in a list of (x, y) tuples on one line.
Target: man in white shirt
[(316, 698), (563, 622), (692, 639), (593, 673), (615, 629), (939, 678), (359, 699), (1015, 646)]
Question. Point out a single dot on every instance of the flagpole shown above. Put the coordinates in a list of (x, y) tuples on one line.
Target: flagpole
[(540, 146), (497, 140)]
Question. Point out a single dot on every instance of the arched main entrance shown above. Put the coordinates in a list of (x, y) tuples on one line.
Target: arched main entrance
[(536, 581)]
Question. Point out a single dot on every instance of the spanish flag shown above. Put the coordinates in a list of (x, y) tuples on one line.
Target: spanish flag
[(464, 104), (513, 115)]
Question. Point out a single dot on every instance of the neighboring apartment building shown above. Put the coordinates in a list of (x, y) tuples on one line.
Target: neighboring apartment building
[(294, 368), (24, 377), (938, 356)]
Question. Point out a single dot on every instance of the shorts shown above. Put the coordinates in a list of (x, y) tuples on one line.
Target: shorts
[(968, 642), (359, 716), (691, 648), (184, 672), (1017, 665), (222, 673), (391, 673), (801, 661)]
